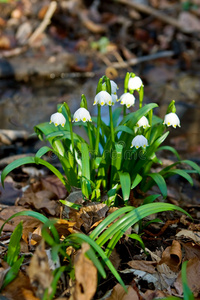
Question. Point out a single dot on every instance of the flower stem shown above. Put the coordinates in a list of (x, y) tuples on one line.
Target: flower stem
[(90, 136), (124, 113), (111, 126), (98, 130)]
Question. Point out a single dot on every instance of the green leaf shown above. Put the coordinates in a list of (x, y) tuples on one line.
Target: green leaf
[(182, 173), (31, 160), (136, 181), (56, 276), (169, 148), (14, 245), (187, 293), (30, 213), (137, 238), (125, 181), (71, 204), (192, 164), (124, 128), (12, 273), (85, 161), (108, 220), (126, 221), (159, 180), (150, 198), (93, 244), (15, 164)]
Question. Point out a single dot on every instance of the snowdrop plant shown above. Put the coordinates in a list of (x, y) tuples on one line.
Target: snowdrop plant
[(118, 155)]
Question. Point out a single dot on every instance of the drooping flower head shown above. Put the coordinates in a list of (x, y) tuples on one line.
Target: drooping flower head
[(139, 141), (58, 119), (143, 122), (135, 83), (82, 114), (103, 98), (114, 87), (114, 98), (127, 99), (172, 119)]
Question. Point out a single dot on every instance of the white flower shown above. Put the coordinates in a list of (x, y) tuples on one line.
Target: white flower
[(58, 119), (127, 99), (143, 122), (139, 141), (172, 119), (82, 114), (114, 98), (114, 87), (134, 83), (103, 98)]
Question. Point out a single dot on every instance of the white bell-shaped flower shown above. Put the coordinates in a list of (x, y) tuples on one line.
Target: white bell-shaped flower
[(172, 119), (114, 87), (139, 141), (127, 99), (114, 98), (103, 98), (143, 122), (82, 114), (135, 83), (58, 119)]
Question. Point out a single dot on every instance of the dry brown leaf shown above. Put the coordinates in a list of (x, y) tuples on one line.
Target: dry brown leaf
[(150, 295), (65, 227), (115, 259), (53, 183), (119, 293), (189, 21), (172, 256), (86, 276), (39, 271), (9, 194), (193, 275), (41, 200), (191, 250), (143, 265), (19, 288), (92, 213), (189, 234)]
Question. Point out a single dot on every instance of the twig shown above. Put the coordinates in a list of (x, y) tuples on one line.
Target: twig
[(154, 12), (45, 22), (135, 61)]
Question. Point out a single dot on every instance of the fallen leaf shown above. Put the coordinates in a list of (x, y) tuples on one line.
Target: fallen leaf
[(19, 288), (53, 183), (143, 265), (86, 276), (41, 200), (189, 21), (172, 256), (191, 250), (39, 271), (119, 293), (9, 194), (193, 275), (192, 235)]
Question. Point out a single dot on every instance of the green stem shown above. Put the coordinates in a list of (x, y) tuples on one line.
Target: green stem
[(91, 150), (90, 136), (111, 126), (141, 96), (98, 130), (124, 111)]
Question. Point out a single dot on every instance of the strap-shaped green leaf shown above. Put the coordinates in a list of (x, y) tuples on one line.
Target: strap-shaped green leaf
[(125, 181), (159, 180)]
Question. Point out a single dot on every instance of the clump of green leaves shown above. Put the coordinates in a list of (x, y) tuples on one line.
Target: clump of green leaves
[(119, 154)]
